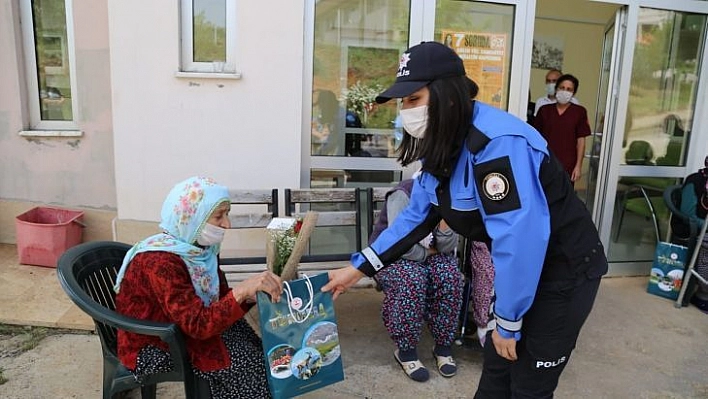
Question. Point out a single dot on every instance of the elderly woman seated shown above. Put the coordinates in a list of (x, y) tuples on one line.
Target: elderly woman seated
[(174, 277)]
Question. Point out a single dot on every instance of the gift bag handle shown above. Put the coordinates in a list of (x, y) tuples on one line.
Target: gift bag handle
[(308, 305)]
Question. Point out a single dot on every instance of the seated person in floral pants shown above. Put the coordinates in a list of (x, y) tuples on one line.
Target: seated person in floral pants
[(425, 284)]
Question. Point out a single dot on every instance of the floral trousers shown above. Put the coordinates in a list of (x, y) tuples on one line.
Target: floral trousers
[(482, 278), (415, 292)]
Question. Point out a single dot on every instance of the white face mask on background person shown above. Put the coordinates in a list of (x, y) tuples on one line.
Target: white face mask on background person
[(211, 235), (551, 89), (415, 120), (563, 97)]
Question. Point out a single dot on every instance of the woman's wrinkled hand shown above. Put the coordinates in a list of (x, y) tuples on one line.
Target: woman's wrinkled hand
[(267, 281), (341, 279)]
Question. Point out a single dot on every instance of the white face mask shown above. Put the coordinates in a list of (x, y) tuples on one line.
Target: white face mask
[(550, 88), (211, 235), (563, 97), (415, 120)]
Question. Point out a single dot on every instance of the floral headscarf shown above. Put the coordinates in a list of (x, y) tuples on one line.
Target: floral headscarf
[(184, 214)]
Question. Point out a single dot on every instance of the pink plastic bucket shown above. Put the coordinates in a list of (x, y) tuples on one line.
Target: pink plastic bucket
[(44, 233)]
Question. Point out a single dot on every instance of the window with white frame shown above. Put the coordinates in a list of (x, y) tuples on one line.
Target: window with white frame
[(47, 31), (208, 31)]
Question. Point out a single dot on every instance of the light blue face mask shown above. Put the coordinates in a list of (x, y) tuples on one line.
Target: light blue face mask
[(550, 89)]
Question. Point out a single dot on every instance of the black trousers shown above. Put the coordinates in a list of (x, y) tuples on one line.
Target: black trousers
[(548, 336)]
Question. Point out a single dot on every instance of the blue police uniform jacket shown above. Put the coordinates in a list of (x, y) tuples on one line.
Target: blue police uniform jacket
[(505, 189)]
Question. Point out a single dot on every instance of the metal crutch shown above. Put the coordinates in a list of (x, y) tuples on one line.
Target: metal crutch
[(467, 290), (691, 271)]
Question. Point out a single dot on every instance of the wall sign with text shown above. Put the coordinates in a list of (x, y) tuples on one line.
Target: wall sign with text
[(483, 55)]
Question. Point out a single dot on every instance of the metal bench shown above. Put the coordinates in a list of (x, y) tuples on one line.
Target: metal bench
[(339, 212)]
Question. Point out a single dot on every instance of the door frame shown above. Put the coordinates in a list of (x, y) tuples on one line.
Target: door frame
[(603, 208)]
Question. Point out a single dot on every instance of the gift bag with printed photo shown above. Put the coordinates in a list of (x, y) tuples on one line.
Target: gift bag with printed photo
[(667, 270), (300, 338)]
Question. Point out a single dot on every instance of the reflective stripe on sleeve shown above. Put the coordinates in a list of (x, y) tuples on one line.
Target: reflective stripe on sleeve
[(511, 326), (372, 258)]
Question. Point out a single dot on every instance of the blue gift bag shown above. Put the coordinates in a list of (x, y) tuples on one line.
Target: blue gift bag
[(300, 338), (667, 270)]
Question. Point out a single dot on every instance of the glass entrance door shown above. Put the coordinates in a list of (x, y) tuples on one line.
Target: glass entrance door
[(647, 130), (611, 48), (606, 118)]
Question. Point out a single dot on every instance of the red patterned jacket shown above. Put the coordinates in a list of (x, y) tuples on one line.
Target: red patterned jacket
[(158, 287)]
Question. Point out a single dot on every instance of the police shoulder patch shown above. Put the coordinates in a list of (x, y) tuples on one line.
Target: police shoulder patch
[(495, 186), (495, 181)]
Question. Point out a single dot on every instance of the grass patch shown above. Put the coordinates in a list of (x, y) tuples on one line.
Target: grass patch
[(11, 329), (34, 336), (29, 336), (25, 338)]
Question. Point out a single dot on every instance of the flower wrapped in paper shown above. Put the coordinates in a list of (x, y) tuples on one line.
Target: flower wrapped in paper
[(287, 242)]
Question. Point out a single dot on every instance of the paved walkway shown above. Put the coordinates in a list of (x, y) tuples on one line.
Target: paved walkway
[(634, 345)]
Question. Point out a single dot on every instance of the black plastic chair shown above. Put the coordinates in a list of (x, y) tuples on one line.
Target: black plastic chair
[(87, 272), (645, 201), (639, 152), (684, 230)]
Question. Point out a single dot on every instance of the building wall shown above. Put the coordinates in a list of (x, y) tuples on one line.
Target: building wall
[(245, 133), (71, 172)]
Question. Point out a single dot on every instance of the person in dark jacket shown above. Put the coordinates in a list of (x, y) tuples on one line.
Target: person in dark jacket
[(491, 177), (694, 203)]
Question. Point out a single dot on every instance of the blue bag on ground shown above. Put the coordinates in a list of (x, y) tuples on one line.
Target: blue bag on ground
[(667, 270), (300, 338)]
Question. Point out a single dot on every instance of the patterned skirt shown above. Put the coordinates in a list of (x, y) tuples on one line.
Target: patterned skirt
[(244, 378)]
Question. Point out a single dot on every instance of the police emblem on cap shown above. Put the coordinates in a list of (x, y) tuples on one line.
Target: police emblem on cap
[(495, 186), (403, 64)]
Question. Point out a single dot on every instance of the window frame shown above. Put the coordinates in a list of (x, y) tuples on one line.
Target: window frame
[(30, 54), (187, 41)]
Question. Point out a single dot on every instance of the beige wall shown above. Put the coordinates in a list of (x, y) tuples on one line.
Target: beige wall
[(71, 172), (245, 133), (580, 25)]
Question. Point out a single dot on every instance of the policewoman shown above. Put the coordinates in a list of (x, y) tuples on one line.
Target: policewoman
[(492, 178)]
